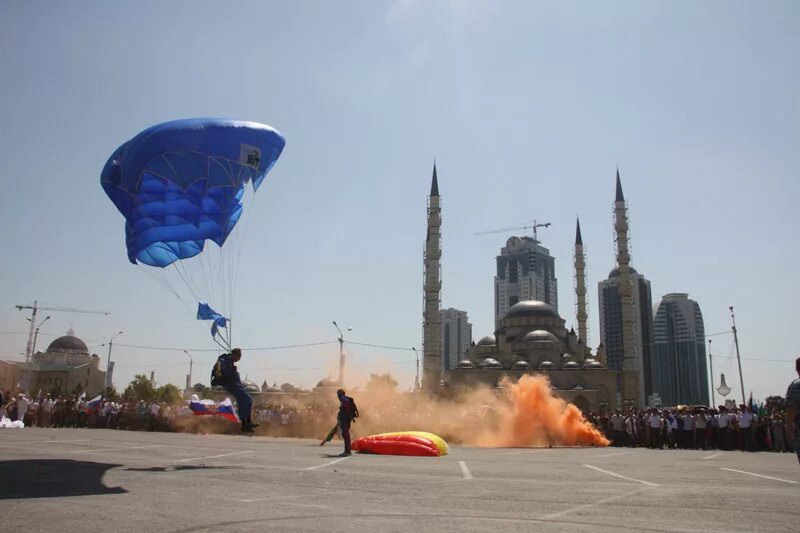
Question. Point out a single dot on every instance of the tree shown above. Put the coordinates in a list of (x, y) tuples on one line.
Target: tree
[(169, 394), (141, 388), (381, 382), (288, 387), (774, 402), (111, 394)]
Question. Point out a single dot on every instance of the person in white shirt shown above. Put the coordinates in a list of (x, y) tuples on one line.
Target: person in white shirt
[(655, 423), (746, 419), (724, 424), (687, 433), (700, 429), (22, 406)]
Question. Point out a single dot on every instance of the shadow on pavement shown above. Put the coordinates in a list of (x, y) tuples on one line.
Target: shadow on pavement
[(53, 478), (182, 467)]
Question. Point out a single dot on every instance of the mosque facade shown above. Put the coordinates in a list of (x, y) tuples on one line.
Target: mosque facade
[(531, 337), (65, 367)]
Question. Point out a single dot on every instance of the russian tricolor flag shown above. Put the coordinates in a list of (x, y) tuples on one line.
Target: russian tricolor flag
[(210, 408)]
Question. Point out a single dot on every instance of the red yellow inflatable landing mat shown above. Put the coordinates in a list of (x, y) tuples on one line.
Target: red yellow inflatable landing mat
[(418, 443)]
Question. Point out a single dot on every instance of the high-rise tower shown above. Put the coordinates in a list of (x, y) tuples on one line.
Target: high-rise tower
[(525, 271), (432, 319), (631, 382), (680, 371), (580, 286)]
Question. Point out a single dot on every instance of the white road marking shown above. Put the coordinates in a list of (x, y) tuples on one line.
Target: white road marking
[(613, 454), (465, 470), (759, 475), (213, 456), (593, 504), (328, 463), (622, 477), (712, 456), (93, 450)]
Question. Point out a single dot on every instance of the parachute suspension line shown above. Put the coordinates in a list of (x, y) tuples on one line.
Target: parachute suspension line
[(161, 281)]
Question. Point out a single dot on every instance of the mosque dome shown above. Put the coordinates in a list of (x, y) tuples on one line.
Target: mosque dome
[(466, 363), (328, 383), (615, 272), (531, 308), (68, 343), (571, 365), (490, 363), (547, 365), (488, 340), (592, 364), (251, 386), (539, 335), (521, 365)]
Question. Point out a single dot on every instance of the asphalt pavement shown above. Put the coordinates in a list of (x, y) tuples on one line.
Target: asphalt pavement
[(105, 480)]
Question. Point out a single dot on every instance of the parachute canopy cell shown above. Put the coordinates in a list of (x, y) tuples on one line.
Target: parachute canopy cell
[(181, 183), (415, 443)]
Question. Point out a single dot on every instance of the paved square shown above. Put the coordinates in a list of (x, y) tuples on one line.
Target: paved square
[(104, 480)]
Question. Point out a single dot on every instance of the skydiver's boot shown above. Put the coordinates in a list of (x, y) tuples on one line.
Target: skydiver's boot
[(246, 427), (250, 422)]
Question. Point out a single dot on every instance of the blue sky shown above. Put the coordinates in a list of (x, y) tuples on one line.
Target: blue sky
[(527, 107)]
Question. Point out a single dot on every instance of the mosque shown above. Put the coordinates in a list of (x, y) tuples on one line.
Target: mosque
[(530, 337), (65, 367)]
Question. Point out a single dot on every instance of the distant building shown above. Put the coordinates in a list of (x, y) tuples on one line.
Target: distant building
[(456, 337), (611, 324), (64, 368), (679, 369), (525, 271)]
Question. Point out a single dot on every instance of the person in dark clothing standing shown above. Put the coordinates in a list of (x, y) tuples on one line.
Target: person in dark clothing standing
[(347, 413), (793, 411), (226, 376)]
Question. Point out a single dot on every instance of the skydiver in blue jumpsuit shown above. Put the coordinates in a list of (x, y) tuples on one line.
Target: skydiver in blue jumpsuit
[(227, 376)]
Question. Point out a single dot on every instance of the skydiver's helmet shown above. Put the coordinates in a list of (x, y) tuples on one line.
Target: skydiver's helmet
[(340, 393)]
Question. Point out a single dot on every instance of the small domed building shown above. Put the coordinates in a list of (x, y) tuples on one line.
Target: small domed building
[(532, 339), (65, 367)]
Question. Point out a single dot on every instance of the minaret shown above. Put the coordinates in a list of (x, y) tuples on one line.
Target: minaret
[(580, 286), (631, 395), (432, 320)]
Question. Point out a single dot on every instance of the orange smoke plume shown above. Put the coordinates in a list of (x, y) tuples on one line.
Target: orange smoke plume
[(535, 417)]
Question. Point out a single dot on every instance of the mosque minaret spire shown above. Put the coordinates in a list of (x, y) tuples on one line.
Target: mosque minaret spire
[(631, 379), (580, 286), (432, 320)]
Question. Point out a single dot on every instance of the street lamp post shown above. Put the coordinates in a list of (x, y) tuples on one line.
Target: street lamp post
[(189, 377), (341, 353), (36, 334), (738, 358), (711, 371), (416, 379), (108, 362)]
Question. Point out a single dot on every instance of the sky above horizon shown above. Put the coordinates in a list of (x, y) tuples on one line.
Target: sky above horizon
[(527, 107)]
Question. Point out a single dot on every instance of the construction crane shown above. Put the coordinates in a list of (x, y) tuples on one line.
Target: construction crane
[(35, 308), (533, 226)]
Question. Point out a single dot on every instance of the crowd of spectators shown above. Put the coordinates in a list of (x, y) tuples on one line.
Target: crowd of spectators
[(701, 428), (743, 428)]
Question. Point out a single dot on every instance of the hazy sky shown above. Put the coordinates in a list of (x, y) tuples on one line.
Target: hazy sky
[(527, 108)]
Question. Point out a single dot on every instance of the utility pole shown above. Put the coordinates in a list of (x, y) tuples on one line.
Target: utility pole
[(341, 353), (189, 377), (416, 379), (711, 377), (738, 357), (108, 362)]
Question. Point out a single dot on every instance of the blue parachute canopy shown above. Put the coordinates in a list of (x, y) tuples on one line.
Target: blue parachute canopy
[(181, 183)]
